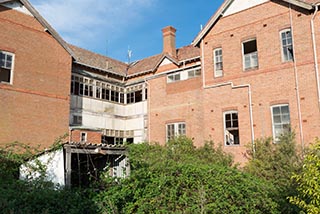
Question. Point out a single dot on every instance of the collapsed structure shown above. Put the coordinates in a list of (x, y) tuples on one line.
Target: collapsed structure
[(252, 72)]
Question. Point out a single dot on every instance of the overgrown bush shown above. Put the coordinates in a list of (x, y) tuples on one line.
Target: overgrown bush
[(37, 196), (179, 178), (308, 181), (276, 163)]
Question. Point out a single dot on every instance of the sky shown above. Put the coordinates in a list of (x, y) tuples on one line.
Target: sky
[(111, 27)]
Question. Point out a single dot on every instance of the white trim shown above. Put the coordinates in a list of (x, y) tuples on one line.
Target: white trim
[(217, 72), (243, 55), (272, 119), (85, 135), (175, 129), (225, 128), (281, 45), (12, 66)]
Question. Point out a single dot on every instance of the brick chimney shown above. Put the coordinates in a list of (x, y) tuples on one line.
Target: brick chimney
[(169, 41)]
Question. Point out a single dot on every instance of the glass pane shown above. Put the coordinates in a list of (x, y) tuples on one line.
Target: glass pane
[(276, 110), (277, 119), (228, 116), (285, 109), (228, 124), (235, 116), (285, 118)]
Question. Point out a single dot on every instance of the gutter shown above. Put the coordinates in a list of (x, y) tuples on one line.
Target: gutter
[(315, 54), (296, 80)]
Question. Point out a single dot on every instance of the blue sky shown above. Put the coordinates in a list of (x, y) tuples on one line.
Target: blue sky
[(109, 27)]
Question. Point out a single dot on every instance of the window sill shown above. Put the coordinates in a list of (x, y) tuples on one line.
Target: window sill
[(251, 69)]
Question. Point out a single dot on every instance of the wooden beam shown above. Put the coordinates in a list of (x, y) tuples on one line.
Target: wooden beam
[(68, 167)]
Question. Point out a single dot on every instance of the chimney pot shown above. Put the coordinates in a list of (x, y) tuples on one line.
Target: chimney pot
[(169, 40)]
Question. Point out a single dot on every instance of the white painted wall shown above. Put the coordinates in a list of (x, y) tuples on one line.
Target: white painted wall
[(240, 5), (54, 161), (99, 114)]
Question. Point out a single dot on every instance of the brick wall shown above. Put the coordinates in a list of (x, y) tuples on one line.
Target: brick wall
[(271, 84), (35, 108)]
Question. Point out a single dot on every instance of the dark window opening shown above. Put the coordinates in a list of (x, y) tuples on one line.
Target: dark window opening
[(231, 128)]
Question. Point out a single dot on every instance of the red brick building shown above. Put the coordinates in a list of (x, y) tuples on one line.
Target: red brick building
[(35, 66), (252, 72)]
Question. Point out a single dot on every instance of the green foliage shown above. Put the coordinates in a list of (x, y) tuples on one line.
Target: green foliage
[(276, 163), (179, 178), (38, 195), (308, 182)]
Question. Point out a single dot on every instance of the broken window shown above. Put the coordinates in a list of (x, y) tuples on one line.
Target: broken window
[(231, 128), (250, 54), (287, 47), (83, 136), (280, 121), (218, 63), (138, 96), (175, 129), (6, 65)]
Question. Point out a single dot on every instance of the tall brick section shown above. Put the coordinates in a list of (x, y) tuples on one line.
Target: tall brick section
[(273, 82), (34, 109)]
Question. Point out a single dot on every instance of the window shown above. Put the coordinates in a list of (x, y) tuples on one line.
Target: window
[(6, 66), (173, 77), (175, 130), (194, 73), (280, 120), (218, 63), (77, 120), (250, 54), (286, 45), (231, 128), (83, 137)]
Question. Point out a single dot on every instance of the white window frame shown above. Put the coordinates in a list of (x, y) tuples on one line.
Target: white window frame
[(83, 136), (285, 47), (175, 77), (218, 59), (179, 129), (226, 132), (254, 64), (281, 123), (196, 72), (11, 67)]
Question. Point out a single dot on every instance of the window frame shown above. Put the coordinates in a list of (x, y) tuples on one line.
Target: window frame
[(178, 130), (225, 129), (85, 135), (275, 137), (174, 79), (77, 119), (218, 72), (251, 54), (286, 46), (6, 53)]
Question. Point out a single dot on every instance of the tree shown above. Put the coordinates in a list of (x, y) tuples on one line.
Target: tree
[(179, 178), (308, 182), (276, 162)]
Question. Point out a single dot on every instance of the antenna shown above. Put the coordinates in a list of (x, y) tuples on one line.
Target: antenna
[(129, 55), (107, 46)]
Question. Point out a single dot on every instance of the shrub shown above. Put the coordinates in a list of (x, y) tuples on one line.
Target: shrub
[(179, 178), (308, 181)]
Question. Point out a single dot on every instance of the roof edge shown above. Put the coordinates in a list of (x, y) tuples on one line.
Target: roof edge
[(49, 28), (226, 4)]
